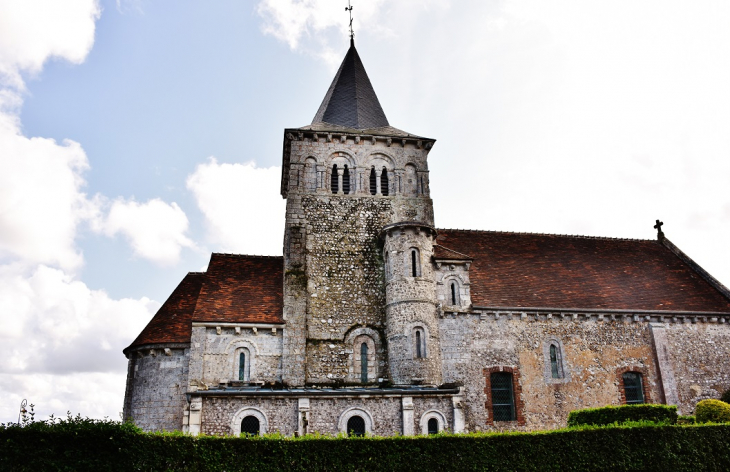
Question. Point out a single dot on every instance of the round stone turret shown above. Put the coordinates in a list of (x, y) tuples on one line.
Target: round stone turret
[(414, 350)]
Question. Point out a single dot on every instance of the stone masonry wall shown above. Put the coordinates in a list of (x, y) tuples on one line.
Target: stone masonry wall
[(156, 391), (593, 352), (699, 354), (214, 358)]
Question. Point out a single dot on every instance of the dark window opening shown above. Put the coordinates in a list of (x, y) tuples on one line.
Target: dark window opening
[(419, 352), (384, 182), (433, 426), (503, 400), (356, 426), (453, 293), (364, 363), (414, 263), (554, 364), (250, 425), (373, 182), (242, 366), (333, 181), (346, 181), (633, 388)]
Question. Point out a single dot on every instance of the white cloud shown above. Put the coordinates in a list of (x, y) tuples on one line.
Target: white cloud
[(41, 198), (32, 31), (53, 330), (155, 230), (242, 207)]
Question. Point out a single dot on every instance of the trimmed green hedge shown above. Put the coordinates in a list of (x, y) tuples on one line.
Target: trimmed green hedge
[(621, 414), (113, 447), (712, 410)]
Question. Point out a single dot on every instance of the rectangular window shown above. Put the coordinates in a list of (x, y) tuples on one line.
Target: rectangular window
[(503, 398), (633, 388)]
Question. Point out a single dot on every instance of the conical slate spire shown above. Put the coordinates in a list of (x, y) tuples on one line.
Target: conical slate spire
[(351, 100)]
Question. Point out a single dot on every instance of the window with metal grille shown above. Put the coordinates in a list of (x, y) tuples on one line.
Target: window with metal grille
[(250, 425), (333, 180), (503, 399), (364, 363), (433, 426), (242, 366), (556, 367), (633, 387), (384, 183), (356, 426), (346, 181), (373, 182)]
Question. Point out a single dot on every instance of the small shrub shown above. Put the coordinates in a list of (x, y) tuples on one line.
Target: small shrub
[(725, 396), (686, 419), (714, 411), (621, 414)]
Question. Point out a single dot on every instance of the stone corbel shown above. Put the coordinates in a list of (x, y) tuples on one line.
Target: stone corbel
[(300, 136), (419, 143), (403, 142), (329, 137), (168, 352), (373, 140), (343, 138), (315, 138), (290, 136), (357, 139), (388, 142)]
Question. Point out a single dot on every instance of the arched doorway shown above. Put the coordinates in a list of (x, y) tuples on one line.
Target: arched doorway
[(250, 425)]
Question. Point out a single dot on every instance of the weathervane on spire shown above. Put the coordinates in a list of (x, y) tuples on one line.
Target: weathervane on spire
[(348, 9)]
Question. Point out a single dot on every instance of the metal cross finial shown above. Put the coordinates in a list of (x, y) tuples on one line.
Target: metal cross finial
[(658, 227), (348, 9)]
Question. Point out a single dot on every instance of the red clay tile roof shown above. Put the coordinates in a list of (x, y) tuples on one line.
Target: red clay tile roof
[(242, 289), (440, 252), (172, 322), (555, 271)]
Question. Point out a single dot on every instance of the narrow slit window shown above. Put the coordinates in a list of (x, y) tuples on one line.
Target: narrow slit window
[(373, 182), (363, 363), (414, 263), (633, 388), (555, 369), (384, 183), (242, 366), (454, 294), (419, 352), (346, 181), (333, 181), (503, 399)]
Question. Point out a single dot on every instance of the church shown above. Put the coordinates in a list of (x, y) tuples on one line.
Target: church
[(375, 321)]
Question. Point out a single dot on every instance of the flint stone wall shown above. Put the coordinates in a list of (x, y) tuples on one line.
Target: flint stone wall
[(156, 386), (593, 353)]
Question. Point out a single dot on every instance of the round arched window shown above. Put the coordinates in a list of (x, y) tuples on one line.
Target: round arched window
[(433, 426), (250, 425), (356, 426)]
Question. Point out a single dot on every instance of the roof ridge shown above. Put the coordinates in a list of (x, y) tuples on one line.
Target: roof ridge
[(229, 254), (578, 236)]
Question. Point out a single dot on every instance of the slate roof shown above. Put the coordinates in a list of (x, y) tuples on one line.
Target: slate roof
[(172, 322), (351, 100), (556, 271)]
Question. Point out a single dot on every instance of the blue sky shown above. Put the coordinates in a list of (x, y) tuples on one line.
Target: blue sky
[(138, 136)]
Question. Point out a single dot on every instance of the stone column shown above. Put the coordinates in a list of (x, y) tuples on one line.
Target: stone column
[(303, 416), (340, 172), (407, 409), (377, 183), (459, 423), (194, 418)]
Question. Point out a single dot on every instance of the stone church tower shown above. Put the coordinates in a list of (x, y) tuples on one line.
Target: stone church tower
[(375, 321), (354, 184)]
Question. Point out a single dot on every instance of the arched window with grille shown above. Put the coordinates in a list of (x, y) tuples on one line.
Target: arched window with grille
[(633, 387), (242, 365), (356, 426), (250, 425), (556, 364), (433, 426), (346, 181), (373, 182), (334, 183), (384, 187), (415, 262)]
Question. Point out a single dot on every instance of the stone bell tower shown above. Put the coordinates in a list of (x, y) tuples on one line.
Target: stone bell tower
[(346, 177)]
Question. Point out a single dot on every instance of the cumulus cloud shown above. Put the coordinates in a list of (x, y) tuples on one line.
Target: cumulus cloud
[(155, 229), (53, 327), (241, 206), (32, 31)]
